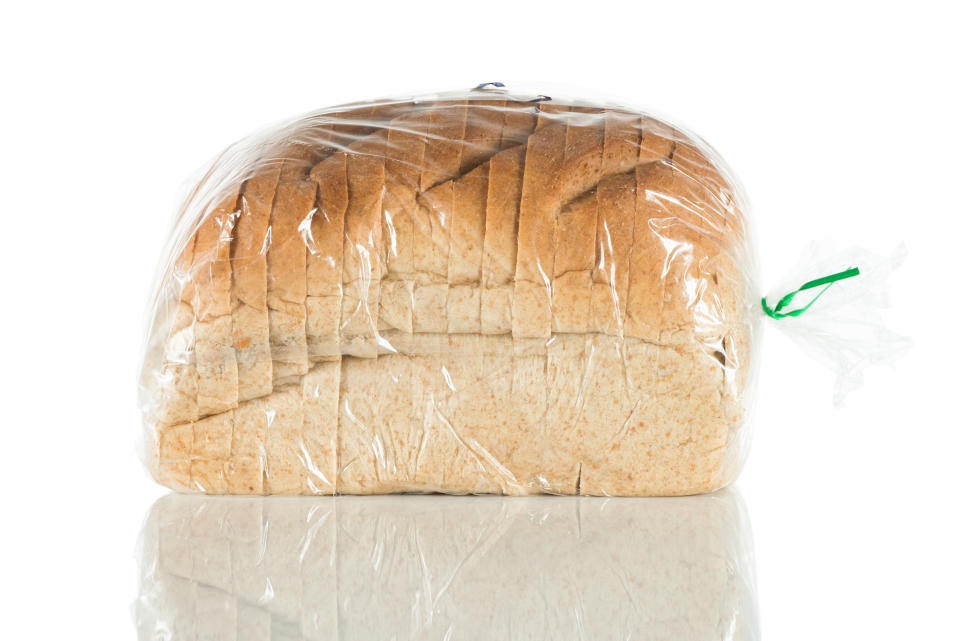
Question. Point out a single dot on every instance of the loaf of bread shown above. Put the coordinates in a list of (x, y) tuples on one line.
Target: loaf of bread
[(467, 293), (432, 567)]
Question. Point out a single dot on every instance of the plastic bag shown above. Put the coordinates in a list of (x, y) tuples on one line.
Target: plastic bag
[(473, 292), (447, 568)]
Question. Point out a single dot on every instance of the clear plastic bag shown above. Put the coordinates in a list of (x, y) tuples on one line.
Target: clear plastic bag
[(473, 292), (844, 330), (435, 567)]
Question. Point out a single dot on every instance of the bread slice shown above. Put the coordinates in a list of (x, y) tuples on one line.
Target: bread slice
[(519, 121), (177, 388), (608, 406), (505, 181), (682, 275), (174, 451), (406, 142), (441, 161), (431, 247), (438, 439), (287, 277), (482, 133), (217, 382), (584, 152), (574, 263), (178, 374), (527, 412), (356, 436), (325, 259), (444, 150), (484, 130), (285, 463), (658, 140), (465, 255), (248, 454), (212, 439), (616, 202), (362, 238), (320, 393), (469, 467), (501, 439), (622, 147), (650, 257), (566, 414), (251, 323), (551, 113), (540, 200), (399, 421)]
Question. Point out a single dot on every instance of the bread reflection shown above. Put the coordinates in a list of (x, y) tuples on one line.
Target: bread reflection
[(437, 567)]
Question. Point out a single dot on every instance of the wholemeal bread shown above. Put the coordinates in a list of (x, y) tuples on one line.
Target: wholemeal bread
[(476, 293)]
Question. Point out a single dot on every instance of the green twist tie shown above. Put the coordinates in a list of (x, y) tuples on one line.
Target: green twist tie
[(819, 282)]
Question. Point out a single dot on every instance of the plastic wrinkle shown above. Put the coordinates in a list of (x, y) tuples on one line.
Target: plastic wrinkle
[(466, 292), (464, 568)]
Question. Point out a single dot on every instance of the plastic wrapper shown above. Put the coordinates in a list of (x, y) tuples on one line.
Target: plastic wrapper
[(845, 330), (451, 568), (475, 292)]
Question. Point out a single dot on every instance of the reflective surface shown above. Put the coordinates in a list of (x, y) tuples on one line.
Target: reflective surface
[(435, 567)]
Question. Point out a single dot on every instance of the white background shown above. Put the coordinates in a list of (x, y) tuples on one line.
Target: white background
[(840, 119)]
